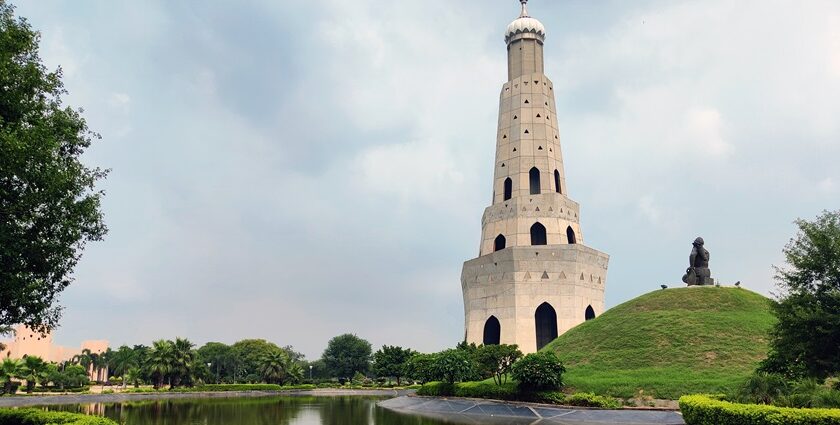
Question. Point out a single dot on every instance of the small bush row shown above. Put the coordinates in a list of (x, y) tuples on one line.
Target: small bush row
[(705, 410), (53, 389), (40, 417), (512, 392)]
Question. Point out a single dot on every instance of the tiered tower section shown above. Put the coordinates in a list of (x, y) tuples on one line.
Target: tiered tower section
[(534, 279)]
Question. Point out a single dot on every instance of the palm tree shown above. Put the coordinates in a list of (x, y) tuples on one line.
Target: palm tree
[(9, 369), (294, 373), (121, 361), (160, 360), (30, 369), (132, 376), (83, 359), (273, 366), (184, 357)]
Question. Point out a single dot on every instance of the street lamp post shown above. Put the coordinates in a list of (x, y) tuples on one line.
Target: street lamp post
[(310, 373)]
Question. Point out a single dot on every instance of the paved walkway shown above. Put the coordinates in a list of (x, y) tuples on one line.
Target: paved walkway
[(469, 411), (43, 400)]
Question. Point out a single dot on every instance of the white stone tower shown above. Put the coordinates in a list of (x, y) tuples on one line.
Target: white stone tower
[(534, 279)]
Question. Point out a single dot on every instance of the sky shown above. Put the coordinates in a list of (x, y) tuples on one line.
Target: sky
[(295, 170)]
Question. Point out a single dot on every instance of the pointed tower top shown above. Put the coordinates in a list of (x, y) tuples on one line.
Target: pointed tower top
[(524, 13), (524, 24)]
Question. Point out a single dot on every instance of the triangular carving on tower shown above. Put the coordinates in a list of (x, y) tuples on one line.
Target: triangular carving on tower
[(527, 276), (545, 275), (527, 132), (562, 275), (538, 209), (581, 277)]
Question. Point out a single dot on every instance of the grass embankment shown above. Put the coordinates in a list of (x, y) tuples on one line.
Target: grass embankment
[(669, 343)]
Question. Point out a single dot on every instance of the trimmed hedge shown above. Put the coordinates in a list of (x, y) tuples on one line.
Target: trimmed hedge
[(243, 387), (40, 417), (437, 389), (705, 410), (511, 391)]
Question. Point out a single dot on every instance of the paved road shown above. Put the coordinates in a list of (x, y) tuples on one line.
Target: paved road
[(43, 400), (469, 411)]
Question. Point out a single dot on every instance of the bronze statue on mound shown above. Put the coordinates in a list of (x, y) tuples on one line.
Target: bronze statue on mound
[(698, 272)]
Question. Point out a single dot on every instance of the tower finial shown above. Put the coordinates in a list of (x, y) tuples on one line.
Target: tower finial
[(524, 8)]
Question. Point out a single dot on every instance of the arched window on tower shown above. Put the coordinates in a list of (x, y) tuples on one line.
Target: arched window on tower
[(538, 234), (508, 188), (534, 180), (570, 234), (499, 244), (545, 320), (557, 182), (492, 331), (590, 313)]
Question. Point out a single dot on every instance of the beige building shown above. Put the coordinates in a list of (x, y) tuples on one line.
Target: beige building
[(534, 278), (30, 343)]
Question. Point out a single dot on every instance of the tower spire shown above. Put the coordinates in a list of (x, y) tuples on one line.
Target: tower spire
[(524, 13)]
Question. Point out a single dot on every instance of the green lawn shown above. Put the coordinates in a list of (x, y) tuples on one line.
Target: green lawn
[(668, 343)]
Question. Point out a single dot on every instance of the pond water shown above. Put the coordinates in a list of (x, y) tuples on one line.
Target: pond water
[(253, 411)]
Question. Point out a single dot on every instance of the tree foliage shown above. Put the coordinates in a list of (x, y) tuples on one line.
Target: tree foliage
[(542, 370), (390, 361), (806, 338), (495, 361), (453, 365), (49, 206), (347, 354)]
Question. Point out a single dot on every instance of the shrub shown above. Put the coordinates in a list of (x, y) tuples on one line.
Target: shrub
[(703, 410), (237, 387), (437, 389), (592, 400), (539, 371), (763, 388), (40, 417), (550, 397), (486, 390)]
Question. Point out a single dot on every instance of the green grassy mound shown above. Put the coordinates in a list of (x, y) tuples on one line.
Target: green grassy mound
[(668, 343)]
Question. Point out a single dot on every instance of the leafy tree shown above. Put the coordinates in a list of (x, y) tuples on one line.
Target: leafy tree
[(249, 353), (75, 376), (496, 361), (390, 361), (542, 370), (806, 338), (319, 369), (49, 205), (421, 368), (222, 360), (452, 365), (347, 354)]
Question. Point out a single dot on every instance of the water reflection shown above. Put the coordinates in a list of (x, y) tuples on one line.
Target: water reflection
[(257, 411)]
